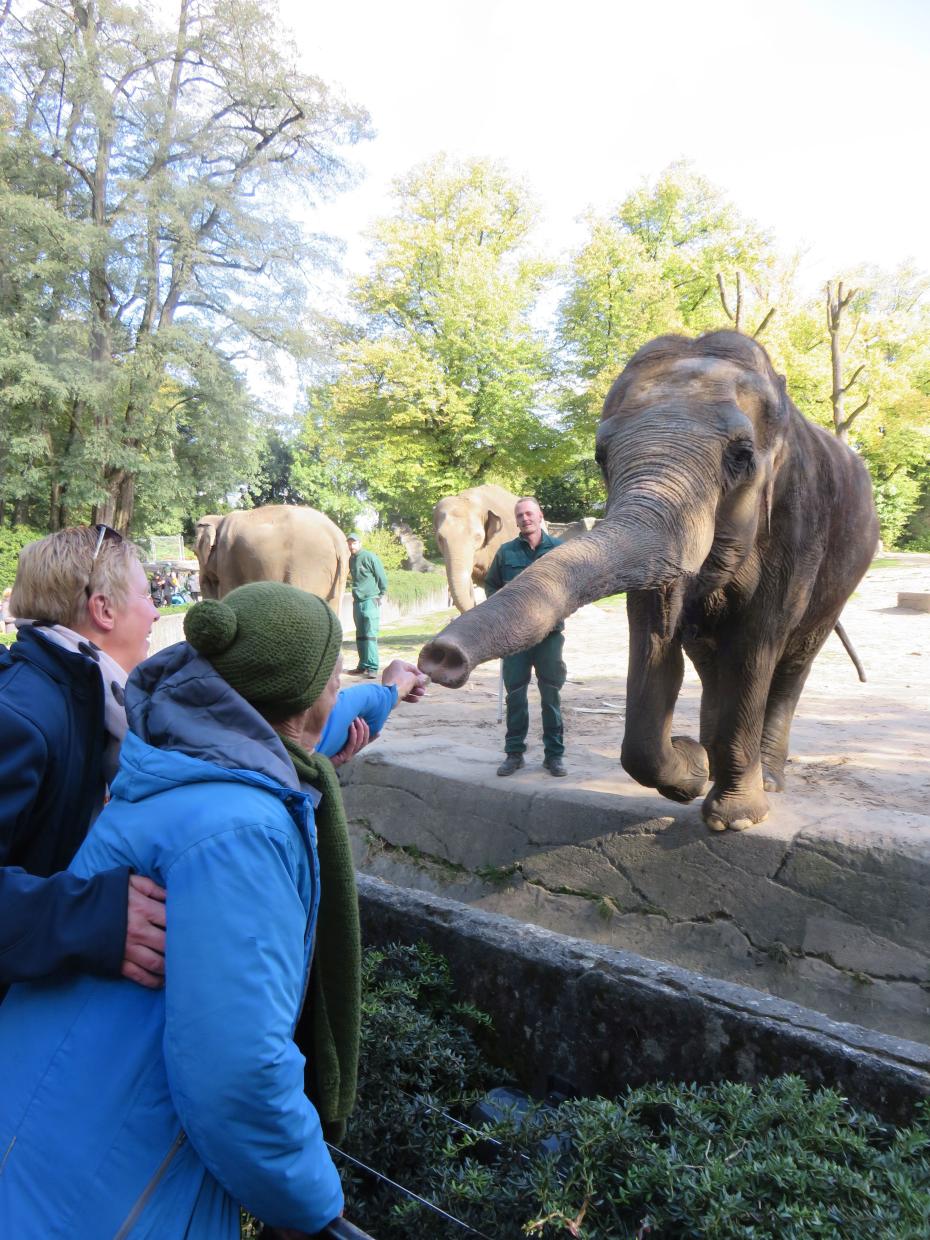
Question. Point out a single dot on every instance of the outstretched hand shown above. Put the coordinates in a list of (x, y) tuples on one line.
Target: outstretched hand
[(144, 953), (410, 681), (359, 735)]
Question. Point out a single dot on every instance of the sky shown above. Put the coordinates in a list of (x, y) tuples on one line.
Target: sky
[(811, 115)]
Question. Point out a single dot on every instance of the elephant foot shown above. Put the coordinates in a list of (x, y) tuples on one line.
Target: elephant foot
[(687, 777), (773, 779), (734, 811)]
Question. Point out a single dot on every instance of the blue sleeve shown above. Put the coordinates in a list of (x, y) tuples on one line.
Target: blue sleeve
[(234, 982), (61, 923), (56, 923), (373, 702)]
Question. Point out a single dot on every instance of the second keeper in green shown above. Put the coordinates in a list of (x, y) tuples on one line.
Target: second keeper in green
[(369, 586)]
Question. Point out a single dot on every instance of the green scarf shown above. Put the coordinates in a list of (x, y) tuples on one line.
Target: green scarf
[(327, 1032)]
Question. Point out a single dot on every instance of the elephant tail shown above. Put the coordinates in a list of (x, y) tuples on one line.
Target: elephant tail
[(848, 647)]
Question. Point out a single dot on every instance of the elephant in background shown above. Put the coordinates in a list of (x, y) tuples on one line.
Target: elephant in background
[(738, 530), (469, 528), (280, 542)]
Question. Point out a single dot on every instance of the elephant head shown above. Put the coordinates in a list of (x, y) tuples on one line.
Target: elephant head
[(467, 528), (689, 444), (206, 531)]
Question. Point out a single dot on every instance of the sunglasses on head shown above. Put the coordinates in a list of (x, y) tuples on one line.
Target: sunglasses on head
[(105, 533)]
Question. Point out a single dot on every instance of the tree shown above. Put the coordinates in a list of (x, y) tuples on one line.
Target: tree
[(442, 373), (660, 263), (862, 370), (160, 163)]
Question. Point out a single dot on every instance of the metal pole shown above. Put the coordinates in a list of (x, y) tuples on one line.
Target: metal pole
[(500, 691)]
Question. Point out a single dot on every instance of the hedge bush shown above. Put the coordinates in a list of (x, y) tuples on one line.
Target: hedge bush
[(406, 588), (775, 1160), (11, 543), (386, 546)]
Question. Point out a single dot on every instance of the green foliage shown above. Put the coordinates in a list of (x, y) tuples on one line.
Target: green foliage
[(648, 269), (11, 543), (145, 244), (387, 547), (441, 376), (406, 588), (773, 1161)]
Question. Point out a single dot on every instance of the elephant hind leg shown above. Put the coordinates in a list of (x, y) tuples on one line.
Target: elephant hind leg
[(785, 691)]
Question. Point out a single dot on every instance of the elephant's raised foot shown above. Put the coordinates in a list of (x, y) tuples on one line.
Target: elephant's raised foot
[(687, 777), (734, 811)]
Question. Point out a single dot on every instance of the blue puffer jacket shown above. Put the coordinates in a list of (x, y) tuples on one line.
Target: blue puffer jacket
[(130, 1112)]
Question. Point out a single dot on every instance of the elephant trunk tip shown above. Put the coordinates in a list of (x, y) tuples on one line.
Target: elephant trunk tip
[(445, 662)]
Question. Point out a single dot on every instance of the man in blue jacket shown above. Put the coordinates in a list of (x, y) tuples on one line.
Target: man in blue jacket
[(61, 723), (545, 658)]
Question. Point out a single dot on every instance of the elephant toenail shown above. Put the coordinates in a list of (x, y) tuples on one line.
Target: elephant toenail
[(741, 824), (716, 824)]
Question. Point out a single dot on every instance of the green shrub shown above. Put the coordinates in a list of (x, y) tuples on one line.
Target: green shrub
[(386, 546), (774, 1160), (11, 543), (405, 588)]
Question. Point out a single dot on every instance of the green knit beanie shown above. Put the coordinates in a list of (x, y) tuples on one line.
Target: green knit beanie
[(276, 645)]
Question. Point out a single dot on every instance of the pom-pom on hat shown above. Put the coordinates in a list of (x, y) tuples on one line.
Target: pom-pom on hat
[(274, 644)]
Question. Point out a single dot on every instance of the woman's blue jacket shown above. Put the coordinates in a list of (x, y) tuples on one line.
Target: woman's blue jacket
[(131, 1112)]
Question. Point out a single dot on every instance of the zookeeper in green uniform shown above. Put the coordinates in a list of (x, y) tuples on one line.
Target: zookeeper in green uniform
[(369, 586), (545, 658)]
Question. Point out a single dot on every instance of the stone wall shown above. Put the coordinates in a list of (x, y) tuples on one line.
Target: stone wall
[(599, 1019)]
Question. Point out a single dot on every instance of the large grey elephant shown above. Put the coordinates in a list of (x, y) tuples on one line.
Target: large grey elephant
[(738, 530), (280, 542), (469, 529)]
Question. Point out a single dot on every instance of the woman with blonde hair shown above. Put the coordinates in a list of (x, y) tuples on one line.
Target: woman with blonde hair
[(128, 1113), (85, 616)]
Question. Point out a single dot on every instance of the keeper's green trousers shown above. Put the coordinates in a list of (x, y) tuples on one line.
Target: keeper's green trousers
[(367, 616), (546, 660)]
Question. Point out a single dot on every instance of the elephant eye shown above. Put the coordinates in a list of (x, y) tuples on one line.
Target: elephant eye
[(740, 459)]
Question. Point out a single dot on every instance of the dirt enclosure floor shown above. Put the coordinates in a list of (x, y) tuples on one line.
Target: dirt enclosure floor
[(824, 904), (868, 744)]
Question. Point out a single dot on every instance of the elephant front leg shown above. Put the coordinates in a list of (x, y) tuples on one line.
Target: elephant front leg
[(738, 800), (676, 766)]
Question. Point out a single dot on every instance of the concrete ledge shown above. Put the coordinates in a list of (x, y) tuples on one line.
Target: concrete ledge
[(825, 906), (603, 1019)]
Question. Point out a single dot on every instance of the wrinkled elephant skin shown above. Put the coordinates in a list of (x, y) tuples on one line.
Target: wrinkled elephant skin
[(279, 542), (738, 530), (469, 528)]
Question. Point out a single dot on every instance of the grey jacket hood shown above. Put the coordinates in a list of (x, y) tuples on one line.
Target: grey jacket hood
[(178, 701)]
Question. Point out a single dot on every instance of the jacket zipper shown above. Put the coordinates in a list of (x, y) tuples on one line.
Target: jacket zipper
[(133, 1217)]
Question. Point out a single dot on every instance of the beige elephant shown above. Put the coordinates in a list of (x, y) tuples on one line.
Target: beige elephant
[(280, 542), (469, 529)]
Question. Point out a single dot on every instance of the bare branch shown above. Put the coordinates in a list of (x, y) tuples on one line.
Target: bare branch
[(763, 325)]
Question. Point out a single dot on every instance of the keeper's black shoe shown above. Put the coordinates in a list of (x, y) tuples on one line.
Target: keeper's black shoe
[(555, 766), (354, 671), (511, 763)]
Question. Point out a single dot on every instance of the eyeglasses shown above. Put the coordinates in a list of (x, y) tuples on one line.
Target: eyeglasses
[(105, 533)]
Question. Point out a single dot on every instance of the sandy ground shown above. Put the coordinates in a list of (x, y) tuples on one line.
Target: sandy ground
[(866, 744)]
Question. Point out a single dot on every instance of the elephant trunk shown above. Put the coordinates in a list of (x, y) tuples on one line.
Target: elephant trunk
[(626, 551), (458, 573)]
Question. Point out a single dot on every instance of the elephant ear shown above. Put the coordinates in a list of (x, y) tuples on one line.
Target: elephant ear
[(492, 525)]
